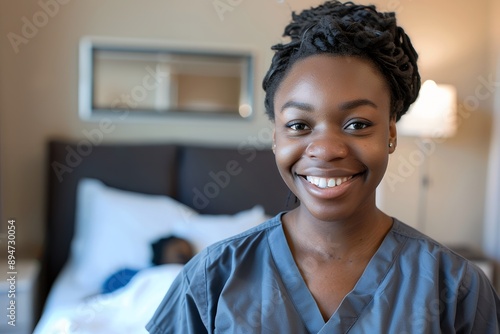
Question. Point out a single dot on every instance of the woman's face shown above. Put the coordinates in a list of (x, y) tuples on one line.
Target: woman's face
[(332, 134)]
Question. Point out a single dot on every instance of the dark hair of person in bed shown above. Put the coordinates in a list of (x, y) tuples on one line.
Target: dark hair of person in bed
[(166, 250), (171, 249), (349, 30)]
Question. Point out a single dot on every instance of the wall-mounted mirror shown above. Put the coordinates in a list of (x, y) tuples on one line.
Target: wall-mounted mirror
[(133, 79)]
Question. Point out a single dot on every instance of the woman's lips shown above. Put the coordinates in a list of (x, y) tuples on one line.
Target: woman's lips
[(323, 187)]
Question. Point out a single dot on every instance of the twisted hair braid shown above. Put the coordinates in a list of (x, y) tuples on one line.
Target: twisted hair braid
[(347, 29)]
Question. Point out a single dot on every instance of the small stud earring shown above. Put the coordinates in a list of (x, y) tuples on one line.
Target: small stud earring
[(274, 147), (390, 145)]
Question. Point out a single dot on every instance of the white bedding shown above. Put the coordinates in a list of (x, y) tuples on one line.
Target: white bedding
[(114, 230), (126, 310)]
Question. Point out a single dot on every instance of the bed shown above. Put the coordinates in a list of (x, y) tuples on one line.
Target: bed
[(108, 202)]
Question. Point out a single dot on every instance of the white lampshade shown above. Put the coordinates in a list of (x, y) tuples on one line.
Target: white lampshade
[(434, 113)]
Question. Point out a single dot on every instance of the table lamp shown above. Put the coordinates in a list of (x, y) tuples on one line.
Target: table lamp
[(432, 117)]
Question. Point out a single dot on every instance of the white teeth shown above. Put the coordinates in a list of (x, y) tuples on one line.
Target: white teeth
[(322, 183), (327, 183)]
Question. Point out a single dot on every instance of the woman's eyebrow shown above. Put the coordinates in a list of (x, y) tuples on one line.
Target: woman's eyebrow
[(344, 106), (349, 105), (297, 105)]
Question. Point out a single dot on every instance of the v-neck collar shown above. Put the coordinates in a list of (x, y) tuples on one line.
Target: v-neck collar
[(353, 303)]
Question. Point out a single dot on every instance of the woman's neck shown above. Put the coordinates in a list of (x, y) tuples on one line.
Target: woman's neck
[(349, 239)]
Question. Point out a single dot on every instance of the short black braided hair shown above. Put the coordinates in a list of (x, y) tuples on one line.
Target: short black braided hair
[(347, 29)]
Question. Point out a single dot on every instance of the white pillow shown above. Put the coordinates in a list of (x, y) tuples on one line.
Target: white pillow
[(115, 229), (204, 230)]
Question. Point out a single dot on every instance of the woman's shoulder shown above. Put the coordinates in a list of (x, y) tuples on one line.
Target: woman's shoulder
[(423, 245), (235, 249), (253, 233), (433, 256)]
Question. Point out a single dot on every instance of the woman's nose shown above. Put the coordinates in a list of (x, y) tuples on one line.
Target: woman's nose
[(327, 147)]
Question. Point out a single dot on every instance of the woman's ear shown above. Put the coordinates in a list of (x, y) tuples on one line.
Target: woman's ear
[(393, 135), (274, 140)]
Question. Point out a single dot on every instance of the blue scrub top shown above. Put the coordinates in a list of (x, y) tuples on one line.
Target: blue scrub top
[(250, 284)]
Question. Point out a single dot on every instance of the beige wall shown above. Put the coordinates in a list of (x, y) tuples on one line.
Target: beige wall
[(492, 219), (38, 94), (453, 40)]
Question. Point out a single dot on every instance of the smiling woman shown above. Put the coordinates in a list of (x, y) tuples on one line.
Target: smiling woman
[(336, 263), (334, 123)]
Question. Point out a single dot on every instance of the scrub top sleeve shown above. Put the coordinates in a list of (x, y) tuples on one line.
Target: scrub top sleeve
[(479, 309), (184, 305)]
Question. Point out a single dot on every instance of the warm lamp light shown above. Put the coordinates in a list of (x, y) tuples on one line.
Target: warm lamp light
[(434, 113)]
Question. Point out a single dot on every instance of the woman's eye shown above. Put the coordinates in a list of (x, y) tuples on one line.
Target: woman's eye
[(357, 126), (298, 126)]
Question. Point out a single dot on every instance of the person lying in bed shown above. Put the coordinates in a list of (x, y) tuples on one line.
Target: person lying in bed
[(167, 250), (336, 263)]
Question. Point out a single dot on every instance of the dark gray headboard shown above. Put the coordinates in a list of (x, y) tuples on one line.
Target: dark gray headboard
[(212, 180)]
